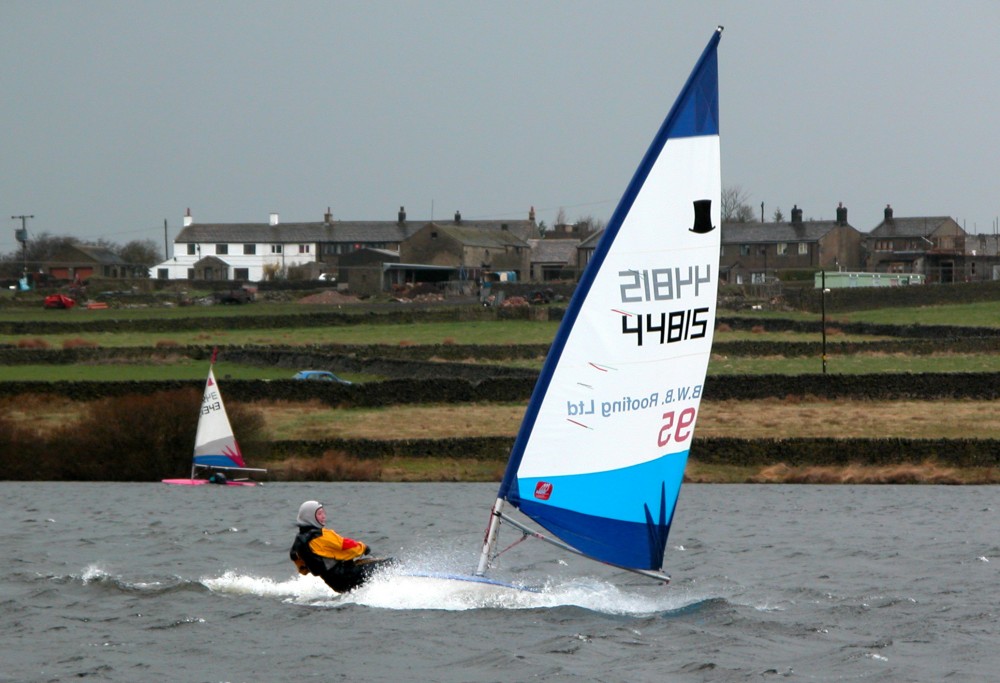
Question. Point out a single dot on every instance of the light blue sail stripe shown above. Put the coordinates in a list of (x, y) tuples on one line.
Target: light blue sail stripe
[(215, 461), (587, 493)]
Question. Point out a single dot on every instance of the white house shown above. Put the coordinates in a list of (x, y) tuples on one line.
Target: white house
[(252, 252)]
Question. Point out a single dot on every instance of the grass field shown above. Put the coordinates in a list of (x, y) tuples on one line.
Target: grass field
[(790, 418)]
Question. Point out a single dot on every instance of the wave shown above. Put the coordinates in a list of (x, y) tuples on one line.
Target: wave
[(407, 587)]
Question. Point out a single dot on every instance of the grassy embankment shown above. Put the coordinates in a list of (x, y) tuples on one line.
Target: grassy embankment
[(801, 416)]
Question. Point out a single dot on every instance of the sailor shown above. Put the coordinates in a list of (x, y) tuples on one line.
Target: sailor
[(339, 561)]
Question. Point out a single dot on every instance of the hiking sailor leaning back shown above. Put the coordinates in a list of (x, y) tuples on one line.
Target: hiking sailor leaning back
[(339, 561)]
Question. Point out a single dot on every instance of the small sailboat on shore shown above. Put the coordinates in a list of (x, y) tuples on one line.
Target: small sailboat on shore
[(217, 456), (601, 452)]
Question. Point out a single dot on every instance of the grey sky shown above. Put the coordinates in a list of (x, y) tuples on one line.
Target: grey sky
[(118, 115)]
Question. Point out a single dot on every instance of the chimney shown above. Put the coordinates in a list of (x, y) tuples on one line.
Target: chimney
[(274, 219), (531, 214), (458, 218), (328, 216), (796, 215), (401, 216), (841, 214), (888, 213), (187, 218)]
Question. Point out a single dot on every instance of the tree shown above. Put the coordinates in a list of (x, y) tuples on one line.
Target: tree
[(140, 253), (587, 225), (778, 216), (735, 207)]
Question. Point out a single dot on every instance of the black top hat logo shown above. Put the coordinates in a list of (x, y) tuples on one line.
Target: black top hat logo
[(703, 216)]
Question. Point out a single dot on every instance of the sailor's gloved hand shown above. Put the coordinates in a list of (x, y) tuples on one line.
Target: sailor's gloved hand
[(367, 551)]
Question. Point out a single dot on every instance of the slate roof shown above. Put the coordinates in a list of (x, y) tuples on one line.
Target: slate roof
[(101, 255), (334, 231), (591, 241), (752, 232), (910, 227), (553, 250), (473, 236)]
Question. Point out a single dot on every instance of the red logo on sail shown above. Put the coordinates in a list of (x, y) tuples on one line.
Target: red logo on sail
[(543, 490)]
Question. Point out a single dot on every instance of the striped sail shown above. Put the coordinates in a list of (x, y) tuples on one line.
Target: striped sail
[(601, 452), (214, 443)]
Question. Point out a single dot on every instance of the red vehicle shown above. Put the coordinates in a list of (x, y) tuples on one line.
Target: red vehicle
[(59, 301)]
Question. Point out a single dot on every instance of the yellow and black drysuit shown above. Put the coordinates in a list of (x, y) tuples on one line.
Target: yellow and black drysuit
[(329, 555)]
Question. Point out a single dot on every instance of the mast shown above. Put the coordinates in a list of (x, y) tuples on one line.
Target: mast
[(490, 541)]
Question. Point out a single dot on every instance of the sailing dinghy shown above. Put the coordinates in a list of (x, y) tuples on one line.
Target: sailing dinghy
[(600, 455), (217, 455)]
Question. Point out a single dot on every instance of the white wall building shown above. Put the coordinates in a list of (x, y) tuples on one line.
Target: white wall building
[(252, 252)]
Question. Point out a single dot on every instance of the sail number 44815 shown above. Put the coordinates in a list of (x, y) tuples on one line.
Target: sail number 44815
[(667, 328), (676, 426)]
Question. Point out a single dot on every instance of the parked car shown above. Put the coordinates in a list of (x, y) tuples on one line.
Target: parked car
[(319, 375)]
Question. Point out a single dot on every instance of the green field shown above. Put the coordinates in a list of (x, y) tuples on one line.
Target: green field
[(292, 325), (173, 364)]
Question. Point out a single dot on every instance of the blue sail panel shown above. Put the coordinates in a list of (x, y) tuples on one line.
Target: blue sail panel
[(216, 461), (622, 383), (590, 513)]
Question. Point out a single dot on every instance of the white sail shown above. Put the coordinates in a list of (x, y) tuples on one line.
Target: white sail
[(214, 443), (600, 455)]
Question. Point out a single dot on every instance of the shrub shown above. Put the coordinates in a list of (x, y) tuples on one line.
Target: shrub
[(77, 343), (22, 454), (36, 343), (144, 437), (332, 466)]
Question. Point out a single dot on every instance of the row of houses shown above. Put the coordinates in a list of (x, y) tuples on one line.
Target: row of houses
[(375, 256), (934, 247)]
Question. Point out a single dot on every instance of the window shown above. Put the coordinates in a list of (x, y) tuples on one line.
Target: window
[(756, 278), (221, 248), (190, 273), (803, 248), (744, 250), (782, 248), (304, 248), (164, 274), (275, 248), (191, 250), (241, 273), (249, 249)]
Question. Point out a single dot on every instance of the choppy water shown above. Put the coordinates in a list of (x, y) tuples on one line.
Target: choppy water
[(148, 582)]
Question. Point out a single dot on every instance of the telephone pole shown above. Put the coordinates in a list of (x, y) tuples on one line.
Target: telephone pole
[(22, 237)]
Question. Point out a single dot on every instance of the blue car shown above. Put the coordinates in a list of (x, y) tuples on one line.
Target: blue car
[(319, 375)]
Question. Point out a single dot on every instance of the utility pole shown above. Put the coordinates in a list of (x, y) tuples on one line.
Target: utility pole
[(22, 237), (823, 291), (166, 245)]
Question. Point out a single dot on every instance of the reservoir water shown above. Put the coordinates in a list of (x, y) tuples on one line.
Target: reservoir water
[(148, 582)]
